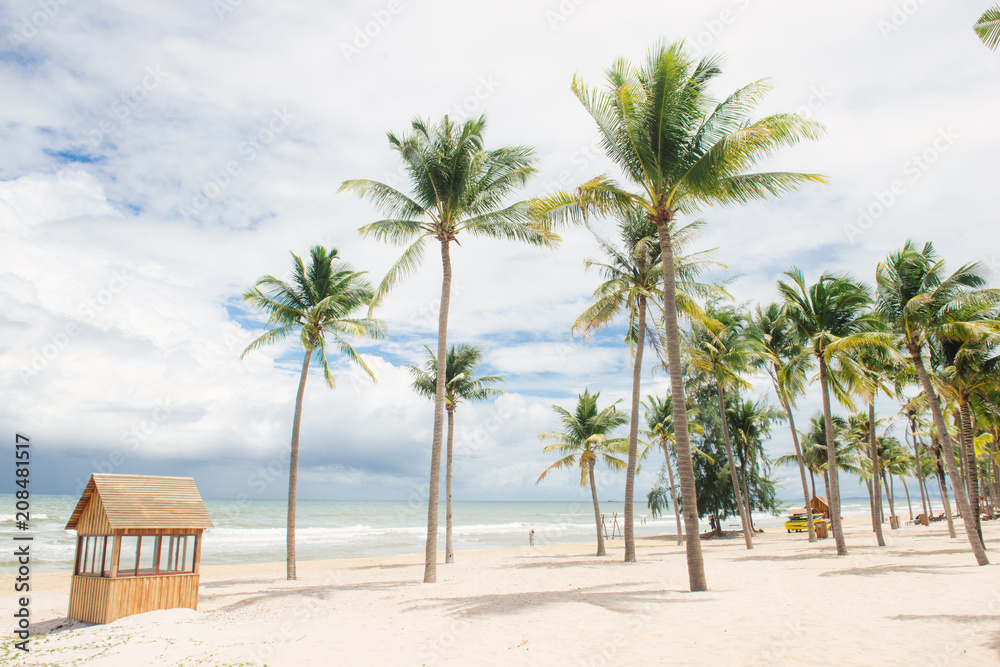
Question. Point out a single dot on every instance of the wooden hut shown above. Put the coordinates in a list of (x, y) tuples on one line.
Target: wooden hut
[(138, 546), (820, 505)]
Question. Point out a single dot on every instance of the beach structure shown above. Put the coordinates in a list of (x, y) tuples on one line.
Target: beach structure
[(138, 546)]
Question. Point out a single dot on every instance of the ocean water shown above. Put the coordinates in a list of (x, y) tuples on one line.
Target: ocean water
[(253, 531)]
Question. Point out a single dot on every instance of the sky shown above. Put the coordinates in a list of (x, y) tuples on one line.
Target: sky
[(157, 158)]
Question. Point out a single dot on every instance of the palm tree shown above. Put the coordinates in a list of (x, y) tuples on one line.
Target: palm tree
[(824, 313), (583, 439), (918, 301), (632, 278), (988, 27), (318, 303), (784, 356), (814, 451), (631, 281), (461, 384), (966, 368), (658, 124), (750, 422), (865, 370), (723, 349), (457, 186), (660, 420)]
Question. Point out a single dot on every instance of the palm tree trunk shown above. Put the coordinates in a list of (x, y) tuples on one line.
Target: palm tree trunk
[(293, 468), (802, 467), (960, 499), (812, 478), (876, 492), (919, 470), (633, 436), (744, 519), (682, 439), (434, 493), (971, 467), (892, 500), (449, 551), (906, 490), (943, 487), (673, 492), (871, 505), (831, 457), (597, 511), (746, 496)]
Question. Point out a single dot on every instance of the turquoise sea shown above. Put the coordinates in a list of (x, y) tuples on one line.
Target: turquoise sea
[(253, 531)]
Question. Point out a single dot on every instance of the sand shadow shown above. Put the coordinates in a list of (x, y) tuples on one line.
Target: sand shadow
[(323, 593), (57, 625), (385, 567), (876, 570), (812, 555), (993, 644), (609, 597), (566, 563)]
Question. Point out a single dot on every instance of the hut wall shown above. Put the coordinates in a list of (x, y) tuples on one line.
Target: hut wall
[(103, 600)]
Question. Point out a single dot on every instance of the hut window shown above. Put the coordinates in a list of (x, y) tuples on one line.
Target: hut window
[(177, 553), (92, 555), (156, 554)]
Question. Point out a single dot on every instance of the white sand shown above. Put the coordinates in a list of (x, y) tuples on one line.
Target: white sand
[(920, 601)]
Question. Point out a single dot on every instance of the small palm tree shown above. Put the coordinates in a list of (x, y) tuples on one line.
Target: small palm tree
[(461, 384), (833, 308), (458, 187), (319, 304), (988, 27), (750, 422), (660, 420), (582, 441)]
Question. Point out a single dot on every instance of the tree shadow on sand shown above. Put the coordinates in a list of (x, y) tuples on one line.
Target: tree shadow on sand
[(875, 570), (609, 597), (964, 619), (322, 592)]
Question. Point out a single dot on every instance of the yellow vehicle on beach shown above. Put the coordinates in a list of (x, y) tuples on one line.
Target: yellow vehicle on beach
[(798, 521)]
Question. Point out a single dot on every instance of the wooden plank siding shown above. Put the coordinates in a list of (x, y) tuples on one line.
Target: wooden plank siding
[(93, 520), (103, 600)]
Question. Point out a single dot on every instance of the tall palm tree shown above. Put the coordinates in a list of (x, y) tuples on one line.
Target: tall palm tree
[(319, 304), (831, 309), (918, 301), (966, 368), (785, 357), (461, 384), (865, 370), (632, 279), (814, 451), (723, 349), (988, 27), (457, 186), (682, 151), (582, 441)]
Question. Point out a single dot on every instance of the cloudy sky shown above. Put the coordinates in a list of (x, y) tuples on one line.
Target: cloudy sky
[(157, 158)]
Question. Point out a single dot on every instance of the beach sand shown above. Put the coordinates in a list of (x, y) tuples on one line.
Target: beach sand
[(919, 601)]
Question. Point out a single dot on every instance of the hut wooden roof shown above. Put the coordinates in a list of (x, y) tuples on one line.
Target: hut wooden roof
[(141, 501)]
